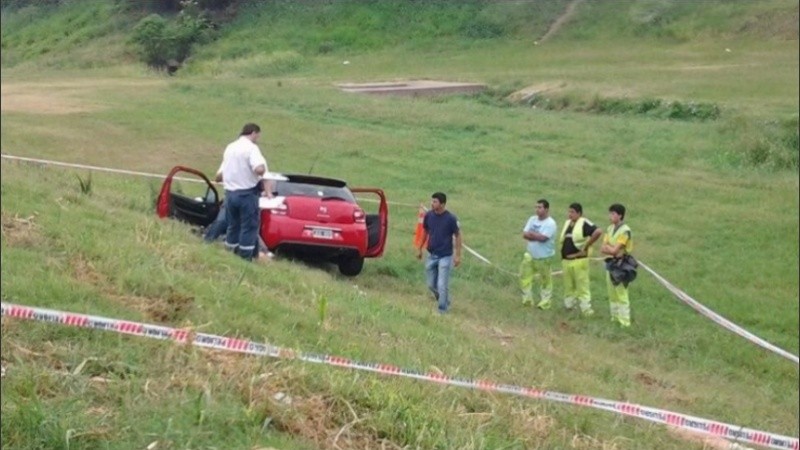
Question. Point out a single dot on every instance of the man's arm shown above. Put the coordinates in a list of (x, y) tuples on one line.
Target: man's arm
[(592, 239), (615, 249), (534, 236), (268, 186), (611, 250), (218, 176), (258, 162), (458, 245)]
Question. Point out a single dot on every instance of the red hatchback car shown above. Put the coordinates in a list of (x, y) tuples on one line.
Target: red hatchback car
[(309, 216)]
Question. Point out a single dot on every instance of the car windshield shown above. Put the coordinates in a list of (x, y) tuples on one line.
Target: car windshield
[(294, 189)]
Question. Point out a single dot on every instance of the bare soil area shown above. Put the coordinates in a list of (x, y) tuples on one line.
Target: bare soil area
[(58, 97)]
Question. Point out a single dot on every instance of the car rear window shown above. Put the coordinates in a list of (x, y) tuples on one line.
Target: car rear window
[(294, 189)]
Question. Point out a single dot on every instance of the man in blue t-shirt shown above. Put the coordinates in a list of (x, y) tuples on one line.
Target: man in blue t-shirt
[(535, 271), (440, 229)]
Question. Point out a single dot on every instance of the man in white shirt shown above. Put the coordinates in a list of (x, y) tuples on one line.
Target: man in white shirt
[(241, 172)]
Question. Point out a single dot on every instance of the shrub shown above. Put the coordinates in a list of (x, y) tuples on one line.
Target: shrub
[(769, 144), (481, 28), (151, 34), (162, 42)]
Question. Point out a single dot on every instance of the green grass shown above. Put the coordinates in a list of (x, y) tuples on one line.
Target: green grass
[(702, 216), (78, 35)]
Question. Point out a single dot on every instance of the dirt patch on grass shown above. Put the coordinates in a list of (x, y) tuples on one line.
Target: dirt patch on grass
[(278, 396), (85, 272), (19, 231), (170, 307), (707, 442), (41, 100), (59, 97), (167, 309), (561, 20)]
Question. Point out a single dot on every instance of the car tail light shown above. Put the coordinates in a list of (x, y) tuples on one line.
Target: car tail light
[(359, 216)]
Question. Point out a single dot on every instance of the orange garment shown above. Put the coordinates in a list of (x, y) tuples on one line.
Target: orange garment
[(419, 233)]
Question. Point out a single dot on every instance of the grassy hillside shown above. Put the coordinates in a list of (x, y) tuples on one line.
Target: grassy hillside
[(718, 225), (681, 21), (78, 35)]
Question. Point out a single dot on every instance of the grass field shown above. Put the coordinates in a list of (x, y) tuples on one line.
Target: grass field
[(704, 214)]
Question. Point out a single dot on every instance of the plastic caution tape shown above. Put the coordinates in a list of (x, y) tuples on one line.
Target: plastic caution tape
[(697, 424), (719, 320), (96, 168)]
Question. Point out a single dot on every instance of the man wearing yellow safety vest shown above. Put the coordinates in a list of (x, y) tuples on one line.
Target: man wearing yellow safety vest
[(617, 243), (575, 242), (536, 266)]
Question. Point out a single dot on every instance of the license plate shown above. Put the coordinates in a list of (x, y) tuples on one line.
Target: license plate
[(322, 234)]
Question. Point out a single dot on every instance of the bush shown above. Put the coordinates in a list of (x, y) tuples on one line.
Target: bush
[(770, 144), (481, 28), (162, 42), (654, 108), (151, 34)]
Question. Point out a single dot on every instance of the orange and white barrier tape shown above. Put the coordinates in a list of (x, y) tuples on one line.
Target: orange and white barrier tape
[(678, 420)]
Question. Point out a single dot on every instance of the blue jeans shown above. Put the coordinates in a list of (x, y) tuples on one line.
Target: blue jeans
[(241, 213), (437, 270), (219, 227)]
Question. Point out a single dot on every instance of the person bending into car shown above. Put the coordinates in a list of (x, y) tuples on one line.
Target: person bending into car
[(440, 229), (219, 227), (241, 172)]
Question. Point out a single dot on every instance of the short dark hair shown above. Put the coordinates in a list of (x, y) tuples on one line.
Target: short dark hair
[(617, 208), (577, 207), (544, 203), (440, 196), (249, 129)]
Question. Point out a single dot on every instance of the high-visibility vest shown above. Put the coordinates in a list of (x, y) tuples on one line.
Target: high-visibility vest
[(611, 236), (577, 234), (419, 233)]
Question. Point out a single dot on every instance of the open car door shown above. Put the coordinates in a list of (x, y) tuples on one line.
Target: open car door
[(196, 210), (377, 224)]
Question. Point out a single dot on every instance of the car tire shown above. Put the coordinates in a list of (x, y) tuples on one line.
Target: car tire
[(351, 266)]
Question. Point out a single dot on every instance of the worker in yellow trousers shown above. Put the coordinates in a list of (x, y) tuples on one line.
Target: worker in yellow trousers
[(575, 242), (618, 243), (536, 267)]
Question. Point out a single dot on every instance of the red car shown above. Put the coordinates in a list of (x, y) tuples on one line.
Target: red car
[(310, 216)]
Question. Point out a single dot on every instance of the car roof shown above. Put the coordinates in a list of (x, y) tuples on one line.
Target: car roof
[(311, 179)]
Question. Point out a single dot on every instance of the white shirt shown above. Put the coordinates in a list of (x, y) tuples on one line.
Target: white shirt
[(240, 160), (547, 227)]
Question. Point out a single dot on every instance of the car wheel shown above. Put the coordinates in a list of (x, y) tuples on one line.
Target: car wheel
[(351, 266)]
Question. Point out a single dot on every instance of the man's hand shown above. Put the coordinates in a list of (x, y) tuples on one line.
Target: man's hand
[(457, 260)]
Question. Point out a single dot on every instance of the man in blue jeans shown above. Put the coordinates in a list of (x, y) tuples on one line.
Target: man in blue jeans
[(219, 227), (440, 231), (241, 173)]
